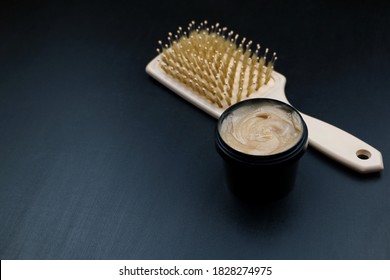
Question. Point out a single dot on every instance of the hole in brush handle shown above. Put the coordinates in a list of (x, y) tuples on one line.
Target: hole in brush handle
[(363, 154)]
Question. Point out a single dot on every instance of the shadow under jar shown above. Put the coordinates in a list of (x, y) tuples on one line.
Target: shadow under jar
[(261, 141)]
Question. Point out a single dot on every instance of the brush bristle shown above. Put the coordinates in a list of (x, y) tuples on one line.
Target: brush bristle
[(212, 62)]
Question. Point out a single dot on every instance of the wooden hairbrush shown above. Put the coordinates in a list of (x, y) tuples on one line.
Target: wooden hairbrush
[(212, 69)]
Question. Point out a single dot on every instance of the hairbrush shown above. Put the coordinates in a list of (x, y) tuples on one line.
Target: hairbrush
[(213, 68)]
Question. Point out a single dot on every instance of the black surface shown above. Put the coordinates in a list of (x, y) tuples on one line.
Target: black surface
[(98, 161)]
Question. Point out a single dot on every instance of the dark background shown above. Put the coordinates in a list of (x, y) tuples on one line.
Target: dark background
[(99, 161)]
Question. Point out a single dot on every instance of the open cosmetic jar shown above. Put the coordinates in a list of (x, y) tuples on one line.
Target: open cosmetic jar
[(261, 141)]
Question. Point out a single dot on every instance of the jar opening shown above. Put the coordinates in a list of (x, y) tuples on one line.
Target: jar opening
[(261, 130)]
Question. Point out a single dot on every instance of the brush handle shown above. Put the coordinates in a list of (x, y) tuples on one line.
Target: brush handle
[(342, 146), (328, 139), (332, 141)]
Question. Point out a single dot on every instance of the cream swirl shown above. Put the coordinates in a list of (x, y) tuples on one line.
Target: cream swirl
[(261, 129)]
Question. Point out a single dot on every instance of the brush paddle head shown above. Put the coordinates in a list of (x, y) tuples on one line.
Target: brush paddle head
[(216, 63)]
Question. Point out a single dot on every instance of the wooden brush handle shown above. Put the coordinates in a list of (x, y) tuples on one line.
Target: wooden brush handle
[(328, 139), (342, 146)]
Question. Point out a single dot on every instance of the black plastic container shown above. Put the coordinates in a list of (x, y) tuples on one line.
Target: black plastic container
[(261, 178)]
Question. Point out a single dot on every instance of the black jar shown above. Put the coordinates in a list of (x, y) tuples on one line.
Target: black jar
[(261, 178)]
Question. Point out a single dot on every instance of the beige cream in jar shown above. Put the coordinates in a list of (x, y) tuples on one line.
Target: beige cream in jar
[(262, 130)]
